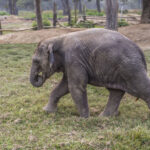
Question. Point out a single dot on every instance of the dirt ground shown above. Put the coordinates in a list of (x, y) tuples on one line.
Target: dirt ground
[(139, 33)]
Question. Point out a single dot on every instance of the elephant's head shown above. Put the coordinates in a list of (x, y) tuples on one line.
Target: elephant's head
[(44, 63)]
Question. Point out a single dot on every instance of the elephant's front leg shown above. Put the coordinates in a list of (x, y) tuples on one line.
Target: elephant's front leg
[(79, 96), (60, 90), (77, 82)]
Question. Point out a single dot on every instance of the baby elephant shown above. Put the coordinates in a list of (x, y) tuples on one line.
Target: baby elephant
[(98, 57)]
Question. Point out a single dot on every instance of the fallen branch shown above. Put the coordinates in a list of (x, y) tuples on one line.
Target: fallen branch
[(15, 30)]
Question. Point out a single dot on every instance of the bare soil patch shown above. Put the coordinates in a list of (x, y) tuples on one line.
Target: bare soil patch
[(34, 36), (139, 33)]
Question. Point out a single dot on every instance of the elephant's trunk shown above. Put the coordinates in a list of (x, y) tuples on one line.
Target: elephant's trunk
[(36, 79)]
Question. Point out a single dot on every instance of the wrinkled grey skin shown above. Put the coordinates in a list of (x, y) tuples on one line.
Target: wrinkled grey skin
[(98, 57)]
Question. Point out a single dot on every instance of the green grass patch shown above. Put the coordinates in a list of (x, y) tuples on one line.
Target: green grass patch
[(45, 15), (3, 13), (24, 125), (27, 14), (122, 23), (93, 12), (46, 23)]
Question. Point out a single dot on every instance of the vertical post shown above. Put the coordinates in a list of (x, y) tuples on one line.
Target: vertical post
[(84, 12), (38, 14), (1, 33), (54, 14), (112, 14)]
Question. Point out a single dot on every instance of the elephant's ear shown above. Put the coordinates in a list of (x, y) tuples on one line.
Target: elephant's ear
[(51, 55)]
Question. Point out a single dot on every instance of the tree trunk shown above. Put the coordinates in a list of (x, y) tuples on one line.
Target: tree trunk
[(13, 10), (64, 4), (38, 14), (145, 18), (54, 14), (112, 14), (84, 12), (1, 33), (75, 9), (80, 7), (68, 12), (10, 7), (98, 6)]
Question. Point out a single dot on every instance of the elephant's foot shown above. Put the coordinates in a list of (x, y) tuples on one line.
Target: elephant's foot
[(84, 113), (50, 108), (108, 114)]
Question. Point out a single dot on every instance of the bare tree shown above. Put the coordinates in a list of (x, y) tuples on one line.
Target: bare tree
[(145, 18), (1, 28), (80, 7), (38, 14), (84, 12), (75, 9), (64, 5), (68, 12), (13, 10), (112, 14), (54, 14), (98, 6)]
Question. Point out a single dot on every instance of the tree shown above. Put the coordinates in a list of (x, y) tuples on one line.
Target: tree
[(64, 5), (80, 7), (68, 12), (145, 18), (54, 14), (112, 14), (98, 6), (75, 9), (38, 14), (13, 7), (1, 28)]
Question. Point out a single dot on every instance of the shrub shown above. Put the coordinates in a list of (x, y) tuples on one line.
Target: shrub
[(46, 23), (34, 25), (86, 24), (27, 14), (94, 13), (124, 11), (122, 23), (47, 15), (3, 13)]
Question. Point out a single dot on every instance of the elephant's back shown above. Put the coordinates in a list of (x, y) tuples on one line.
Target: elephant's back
[(103, 44)]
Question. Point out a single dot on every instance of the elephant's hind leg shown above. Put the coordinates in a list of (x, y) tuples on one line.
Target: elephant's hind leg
[(140, 88), (111, 108)]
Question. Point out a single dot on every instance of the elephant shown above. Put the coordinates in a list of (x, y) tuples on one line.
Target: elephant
[(99, 57)]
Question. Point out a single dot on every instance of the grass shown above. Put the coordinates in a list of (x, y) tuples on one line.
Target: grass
[(3, 13), (24, 125), (93, 12), (45, 15), (49, 14)]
